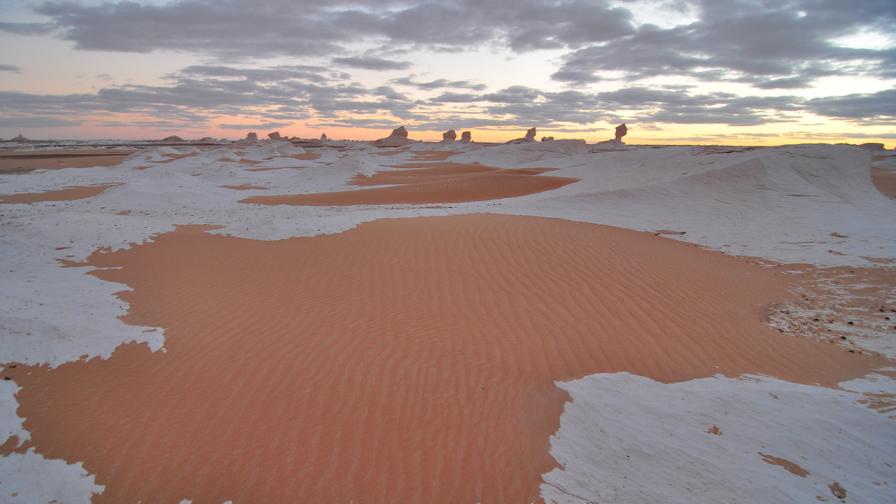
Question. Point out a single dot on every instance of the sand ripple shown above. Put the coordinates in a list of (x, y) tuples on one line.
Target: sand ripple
[(406, 360)]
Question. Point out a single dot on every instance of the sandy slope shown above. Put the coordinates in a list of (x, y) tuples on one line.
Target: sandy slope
[(408, 360)]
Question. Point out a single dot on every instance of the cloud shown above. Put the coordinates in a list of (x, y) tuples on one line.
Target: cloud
[(281, 27), (438, 84), (877, 107), (277, 96), (198, 95), (27, 28), (254, 126), (777, 45), (372, 63), (35, 122), (10, 69)]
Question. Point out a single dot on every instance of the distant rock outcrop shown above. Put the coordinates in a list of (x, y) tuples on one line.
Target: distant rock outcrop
[(19, 138), (547, 139), (449, 136), (275, 136), (621, 131), (172, 138), (872, 146), (466, 137), (323, 137), (251, 137), (530, 137), (207, 140), (397, 138)]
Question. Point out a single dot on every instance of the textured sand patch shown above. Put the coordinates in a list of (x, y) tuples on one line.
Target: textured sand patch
[(67, 194), (423, 183), (25, 161), (406, 360)]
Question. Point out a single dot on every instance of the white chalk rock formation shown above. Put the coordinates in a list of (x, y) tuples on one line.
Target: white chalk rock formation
[(173, 138), (547, 139), (275, 136), (530, 137), (466, 137), (397, 138), (251, 137), (621, 131), (449, 136), (323, 137)]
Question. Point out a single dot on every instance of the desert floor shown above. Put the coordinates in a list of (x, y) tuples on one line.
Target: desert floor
[(541, 322)]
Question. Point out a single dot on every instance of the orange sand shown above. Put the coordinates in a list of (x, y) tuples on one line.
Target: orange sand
[(432, 155), (307, 156), (67, 194), (244, 187), (884, 181), (405, 360), (25, 161), (791, 467), (430, 183)]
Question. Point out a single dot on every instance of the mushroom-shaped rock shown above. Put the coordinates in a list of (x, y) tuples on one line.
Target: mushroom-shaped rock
[(251, 137), (449, 136), (397, 138), (466, 137), (530, 137), (621, 130), (323, 137), (275, 136)]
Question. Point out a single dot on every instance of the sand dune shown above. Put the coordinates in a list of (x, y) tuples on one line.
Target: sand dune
[(67, 194), (429, 183), (406, 360)]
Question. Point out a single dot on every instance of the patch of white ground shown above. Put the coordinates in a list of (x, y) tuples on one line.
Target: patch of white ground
[(626, 438), (28, 478), (799, 204)]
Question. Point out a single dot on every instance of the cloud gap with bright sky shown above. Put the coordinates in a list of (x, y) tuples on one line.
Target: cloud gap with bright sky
[(677, 71)]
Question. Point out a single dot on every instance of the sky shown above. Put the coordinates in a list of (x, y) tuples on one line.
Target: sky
[(748, 72)]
